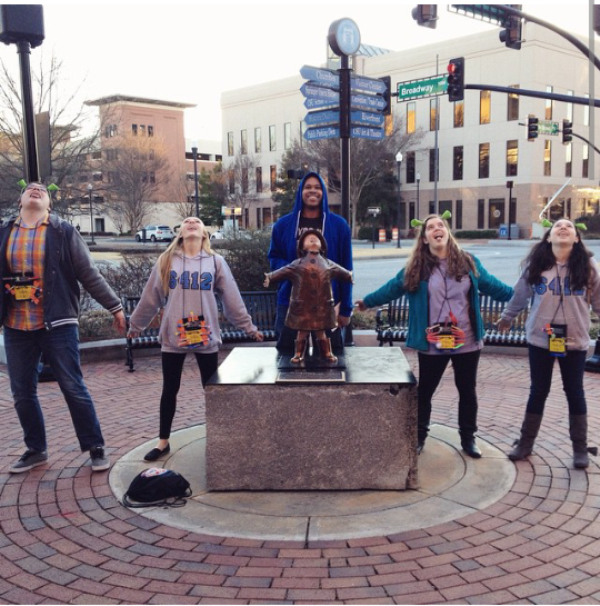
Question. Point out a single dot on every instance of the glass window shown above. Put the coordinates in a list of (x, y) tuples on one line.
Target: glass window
[(244, 180), (512, 110), (480, 214), (259, 185), (484, 160), (547, 158), (134, 130), (231, 183), (272, 138), (459, 214), (485, 107), (230, 151), (432, 113), (457, 163), (150, 130), (410, 167), (585, 150), (496, 216), (568, 160), (257, 140), (287, 135), (411, 117), (512, 158), (446, 205), (549, 105), (244, 142), (432, 165), (143, 130), (459, 114), (273, 176)]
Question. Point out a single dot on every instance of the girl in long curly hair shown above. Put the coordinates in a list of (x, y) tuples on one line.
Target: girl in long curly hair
[(442, 283), (562, 281)]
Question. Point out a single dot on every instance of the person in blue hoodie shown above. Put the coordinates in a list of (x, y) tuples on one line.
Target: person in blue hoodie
[(311, 211)]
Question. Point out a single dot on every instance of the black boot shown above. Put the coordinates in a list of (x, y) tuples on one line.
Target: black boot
[(467, 441), (578, 432), (523, 447)]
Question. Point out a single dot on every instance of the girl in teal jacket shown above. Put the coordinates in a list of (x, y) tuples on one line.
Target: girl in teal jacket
[(442, 283)]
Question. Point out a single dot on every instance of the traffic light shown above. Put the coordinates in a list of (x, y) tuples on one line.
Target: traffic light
[(532, 128), (387, 94), (511, 36), (567, 131), (456, 79), (425, 15)]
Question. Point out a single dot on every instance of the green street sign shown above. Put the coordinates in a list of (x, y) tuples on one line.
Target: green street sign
[(547, 127), (426, 87)]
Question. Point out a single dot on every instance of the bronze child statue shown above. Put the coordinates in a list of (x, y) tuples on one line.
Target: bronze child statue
[(311, 302)]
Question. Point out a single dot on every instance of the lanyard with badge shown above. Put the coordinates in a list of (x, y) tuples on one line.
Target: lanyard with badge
[(445, 335), (24, 285), (557, 333)]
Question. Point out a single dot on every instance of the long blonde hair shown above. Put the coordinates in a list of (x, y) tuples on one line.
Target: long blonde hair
[(422, 262), (176, 247)]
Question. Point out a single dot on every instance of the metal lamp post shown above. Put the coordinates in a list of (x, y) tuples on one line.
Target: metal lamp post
[(196, 198), (90, 189), (399, 163), (418, 193)]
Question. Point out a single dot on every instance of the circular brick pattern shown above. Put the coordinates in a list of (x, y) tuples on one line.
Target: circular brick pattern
[(65, 539)]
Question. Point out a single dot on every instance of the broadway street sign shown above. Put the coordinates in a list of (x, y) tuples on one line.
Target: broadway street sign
[(547, 127), (419, 89)]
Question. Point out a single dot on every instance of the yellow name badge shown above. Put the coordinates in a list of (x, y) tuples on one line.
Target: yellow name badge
[(557, 344), (22, 293), (447, 342)]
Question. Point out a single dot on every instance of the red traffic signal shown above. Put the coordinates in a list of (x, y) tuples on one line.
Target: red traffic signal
[(456, 79)]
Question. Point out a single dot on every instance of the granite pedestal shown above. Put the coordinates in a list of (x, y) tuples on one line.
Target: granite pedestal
[(265, 435)]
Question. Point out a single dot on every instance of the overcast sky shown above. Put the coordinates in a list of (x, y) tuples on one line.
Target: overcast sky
[(193, 52)]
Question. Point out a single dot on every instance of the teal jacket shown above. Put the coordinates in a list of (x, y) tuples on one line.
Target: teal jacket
[(418, 302)]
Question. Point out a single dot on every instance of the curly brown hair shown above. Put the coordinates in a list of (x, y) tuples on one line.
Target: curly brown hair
[(422, 262)]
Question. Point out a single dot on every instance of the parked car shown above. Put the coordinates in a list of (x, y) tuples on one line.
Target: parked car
[(156, 233)]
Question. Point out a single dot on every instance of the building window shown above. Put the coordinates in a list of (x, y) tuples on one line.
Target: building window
[(410, 167), (485, 107), (259, 180), (273, 177), (411, 117), (480, 214), (143, 130), (287, 135), (272, 138), (547, 158), (110, 130), (446, 205), (257, 140), (231, 183), (134, 130), (432, 113), (512, 110), (244, 142), (152, 177), (457, 163), (96, 155), (459, 114), (432, 164), (568, 160), (484, 160), (459, 214), (585, 157), (549, 104), (244, 180), (512, 158), (150, 130), (496, 215), (586, 112), (230, 150)]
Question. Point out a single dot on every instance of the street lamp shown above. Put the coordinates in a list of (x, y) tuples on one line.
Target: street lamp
[(195, 156), (90, 189), (418, 193), (399, 163)]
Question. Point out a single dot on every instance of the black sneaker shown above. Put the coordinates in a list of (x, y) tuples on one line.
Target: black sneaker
[(100, 461), (29, 459)]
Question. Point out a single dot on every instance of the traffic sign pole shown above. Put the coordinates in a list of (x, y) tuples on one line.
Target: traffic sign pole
[(345, 135)]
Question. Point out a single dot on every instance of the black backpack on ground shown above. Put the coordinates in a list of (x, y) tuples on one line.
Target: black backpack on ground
[(157, 487)]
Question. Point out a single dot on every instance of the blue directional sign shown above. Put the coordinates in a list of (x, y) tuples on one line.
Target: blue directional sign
[(321, 93), (327, 116), (324, 77), (368, 102), (370, 85), (318, 103), (363, 132), (362, 118), (326, 132)]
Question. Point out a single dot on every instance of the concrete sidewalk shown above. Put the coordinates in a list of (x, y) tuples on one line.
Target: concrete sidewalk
[(66, 539)]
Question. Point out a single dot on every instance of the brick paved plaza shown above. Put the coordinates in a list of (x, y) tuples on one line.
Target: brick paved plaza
[(65, 538)]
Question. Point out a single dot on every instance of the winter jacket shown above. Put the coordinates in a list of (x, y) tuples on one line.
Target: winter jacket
[(339, 247), (67, 262), (418, 302)]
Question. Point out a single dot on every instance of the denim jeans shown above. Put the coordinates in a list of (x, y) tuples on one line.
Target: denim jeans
[(286, 336), (60, 347), (572, 366)]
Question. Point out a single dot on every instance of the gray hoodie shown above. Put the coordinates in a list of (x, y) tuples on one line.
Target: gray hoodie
[(546, 307), (194, 282)]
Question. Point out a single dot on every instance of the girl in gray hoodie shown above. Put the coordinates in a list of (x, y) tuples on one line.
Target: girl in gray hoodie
[(183, 284)]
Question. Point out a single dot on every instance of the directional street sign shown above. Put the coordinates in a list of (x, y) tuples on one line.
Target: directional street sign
[(362, 132), (324, 77), (327, 116), (361, 118), (370, 85), (367, 102), (319, 104), (319, 92), (426, 87), (327, 132), (547, 127)]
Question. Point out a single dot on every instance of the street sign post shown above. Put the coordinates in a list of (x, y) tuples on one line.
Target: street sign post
[(547, 127), (327, 132), (426, 87), (369, 85), (367, 102)]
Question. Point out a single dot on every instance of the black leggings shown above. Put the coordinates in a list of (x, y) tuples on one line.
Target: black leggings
[(431, 369), (172, 367)]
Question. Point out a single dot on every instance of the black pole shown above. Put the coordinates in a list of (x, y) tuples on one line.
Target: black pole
[(344, 72), (510, 186), (30, 155), (195, 156), (398, 243), (90, 189)]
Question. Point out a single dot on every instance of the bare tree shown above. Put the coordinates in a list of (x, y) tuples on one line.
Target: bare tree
[(241, 175)]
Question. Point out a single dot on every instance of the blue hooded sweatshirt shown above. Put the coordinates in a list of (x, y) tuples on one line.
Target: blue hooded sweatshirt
[(284, 242)]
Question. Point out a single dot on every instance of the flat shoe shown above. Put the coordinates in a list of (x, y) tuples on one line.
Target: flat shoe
[(156, 453)]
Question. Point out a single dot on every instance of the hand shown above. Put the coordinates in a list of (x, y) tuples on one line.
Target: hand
[(267, 281), (119, 322), (361, 305), (343, 321), (503, 325), (258, 336)]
